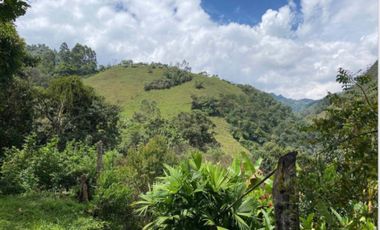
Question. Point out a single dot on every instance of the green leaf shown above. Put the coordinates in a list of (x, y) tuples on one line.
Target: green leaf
[(221, 228), (197, 159)]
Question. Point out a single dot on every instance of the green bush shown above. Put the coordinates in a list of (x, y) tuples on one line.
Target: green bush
[(45, 167), (113, 197), (173, 77), (125, 177), (146, 163), (196, 128), (199, 85), (209, 105), (196, 195)]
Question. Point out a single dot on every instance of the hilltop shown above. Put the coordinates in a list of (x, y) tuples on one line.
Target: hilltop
[(124, 86), (243, 112)]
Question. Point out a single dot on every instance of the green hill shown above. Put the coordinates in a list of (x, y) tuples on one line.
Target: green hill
[(124, 86)]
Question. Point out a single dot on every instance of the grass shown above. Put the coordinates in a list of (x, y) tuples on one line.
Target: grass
[(222, 135), (44, 211), (125, 87)]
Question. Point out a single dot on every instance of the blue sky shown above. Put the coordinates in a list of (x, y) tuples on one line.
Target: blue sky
[(240, 11), (293, 48)]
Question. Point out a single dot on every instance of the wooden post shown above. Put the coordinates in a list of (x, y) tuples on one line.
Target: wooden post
[(83, 194), (99, 158), (285, 194)]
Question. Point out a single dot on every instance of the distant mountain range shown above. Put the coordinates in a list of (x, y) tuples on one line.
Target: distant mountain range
[(296, 105), (309, 106)]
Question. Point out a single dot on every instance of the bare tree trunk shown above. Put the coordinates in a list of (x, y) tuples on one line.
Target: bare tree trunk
[(99, 158), (285, 194)]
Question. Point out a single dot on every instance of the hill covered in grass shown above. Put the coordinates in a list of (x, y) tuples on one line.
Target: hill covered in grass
[(123, 85)]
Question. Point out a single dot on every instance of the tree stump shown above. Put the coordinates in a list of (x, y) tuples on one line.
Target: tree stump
[(285, 194)]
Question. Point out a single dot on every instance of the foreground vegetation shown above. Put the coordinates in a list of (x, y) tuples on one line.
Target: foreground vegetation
[(155, 153), (45, 211)]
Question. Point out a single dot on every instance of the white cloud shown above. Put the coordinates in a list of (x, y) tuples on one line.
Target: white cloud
[(288, 52)]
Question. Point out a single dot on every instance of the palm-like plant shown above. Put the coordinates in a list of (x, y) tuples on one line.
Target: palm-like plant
[(199, 195)]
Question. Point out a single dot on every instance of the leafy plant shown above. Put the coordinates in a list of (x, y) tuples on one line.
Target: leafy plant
[(201, 195), (35, 168)]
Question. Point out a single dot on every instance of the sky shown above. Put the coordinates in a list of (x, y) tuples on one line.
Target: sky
[(288, 47)]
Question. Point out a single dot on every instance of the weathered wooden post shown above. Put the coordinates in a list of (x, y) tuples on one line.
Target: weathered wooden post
[(83, 194), (285, 194), (99, 158)]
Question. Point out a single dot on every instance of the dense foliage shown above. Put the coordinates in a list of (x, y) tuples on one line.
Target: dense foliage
[(252, 116), (347, 158), (12, 52), (197, 195), (72, 111), (15, 96), (16, 112), (172, 77), (35, 168), (258, 122), (11, 9), (183, 131), (80, 60)]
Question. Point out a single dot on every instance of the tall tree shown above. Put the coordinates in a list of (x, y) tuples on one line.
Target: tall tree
[(72, 111), (64, 66), (81, 60), (347, 133), (11, 9), (14, 96), (12, 52)]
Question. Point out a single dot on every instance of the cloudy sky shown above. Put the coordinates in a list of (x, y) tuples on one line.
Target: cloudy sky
[(290, 47)]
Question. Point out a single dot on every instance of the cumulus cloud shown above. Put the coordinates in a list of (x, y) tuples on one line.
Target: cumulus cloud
[(291, 52)]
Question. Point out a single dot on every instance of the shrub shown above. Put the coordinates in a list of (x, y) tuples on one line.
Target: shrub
[(196, 195), (209, 105), (199, 85), (195, 128), (113, 197), (126, 177), (173, 77), (146, 163), (46, 168)]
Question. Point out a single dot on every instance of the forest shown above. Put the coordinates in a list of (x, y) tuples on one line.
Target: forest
[(157, 146)]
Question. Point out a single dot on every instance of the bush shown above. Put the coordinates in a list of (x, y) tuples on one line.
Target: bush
[(209, 105), (199, 85), (195, 128), (196, 195), (35, 168), (124, 178), (173, 77), (146, 163), (113, 197)]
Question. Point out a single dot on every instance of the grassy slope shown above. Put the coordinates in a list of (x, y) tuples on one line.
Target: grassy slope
[(44, 211), (125, 87)]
